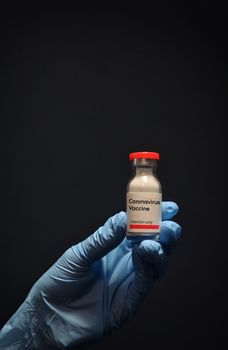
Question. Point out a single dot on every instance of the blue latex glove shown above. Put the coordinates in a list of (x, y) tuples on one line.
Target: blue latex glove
[(93, 288)]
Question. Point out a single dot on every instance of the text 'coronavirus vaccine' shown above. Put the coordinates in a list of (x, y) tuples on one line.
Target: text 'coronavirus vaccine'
[(143, 197)]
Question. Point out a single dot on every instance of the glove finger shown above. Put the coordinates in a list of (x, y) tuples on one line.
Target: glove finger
[(149, 263), (169, 236), (102, 241), (169, 210)]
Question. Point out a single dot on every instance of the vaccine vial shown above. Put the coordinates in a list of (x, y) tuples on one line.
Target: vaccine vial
[(143, 197)]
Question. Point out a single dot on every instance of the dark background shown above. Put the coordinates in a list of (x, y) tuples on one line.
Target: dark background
[(82, 85)]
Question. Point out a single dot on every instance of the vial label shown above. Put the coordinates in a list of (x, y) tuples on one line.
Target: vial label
[(144, 212)]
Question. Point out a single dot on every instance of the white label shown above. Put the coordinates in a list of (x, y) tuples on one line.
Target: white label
[(144, 212)]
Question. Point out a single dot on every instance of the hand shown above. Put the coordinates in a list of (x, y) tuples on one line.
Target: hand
[(93, 288)]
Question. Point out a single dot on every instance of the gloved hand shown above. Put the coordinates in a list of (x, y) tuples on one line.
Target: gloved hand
[(93, 288)]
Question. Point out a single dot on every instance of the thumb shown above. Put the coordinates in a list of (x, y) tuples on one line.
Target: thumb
[(102, 241), (149, 263)]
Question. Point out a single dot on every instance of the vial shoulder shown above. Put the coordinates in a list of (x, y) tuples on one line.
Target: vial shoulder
[(144, 184)]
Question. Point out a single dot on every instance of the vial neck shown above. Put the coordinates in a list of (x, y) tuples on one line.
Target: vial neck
[(144, 167), (145, 171)]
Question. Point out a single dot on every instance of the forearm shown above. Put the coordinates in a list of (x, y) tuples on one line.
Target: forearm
[(26, 329)]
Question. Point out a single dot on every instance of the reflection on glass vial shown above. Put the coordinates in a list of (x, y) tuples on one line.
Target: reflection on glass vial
[(143, 197)]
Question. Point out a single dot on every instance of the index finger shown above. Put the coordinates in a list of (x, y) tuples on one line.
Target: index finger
[(169, 210)]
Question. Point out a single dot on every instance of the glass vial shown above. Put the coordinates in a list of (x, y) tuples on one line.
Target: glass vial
[(143, 197)]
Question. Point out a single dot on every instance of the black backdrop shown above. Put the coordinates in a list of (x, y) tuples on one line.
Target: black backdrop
[(83, 85)]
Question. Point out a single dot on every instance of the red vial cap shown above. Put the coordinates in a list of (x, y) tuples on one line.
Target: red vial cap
[(151, 155)]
